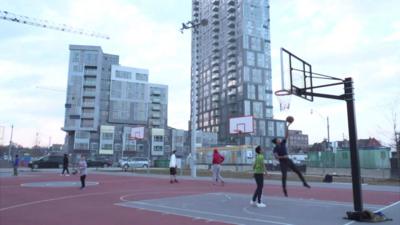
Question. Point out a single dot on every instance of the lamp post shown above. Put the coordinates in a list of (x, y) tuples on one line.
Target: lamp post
[(193, 118), (327, 128)]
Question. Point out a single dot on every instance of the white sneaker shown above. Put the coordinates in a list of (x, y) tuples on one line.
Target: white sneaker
[(253, 203), (67, 175), (261, 205)]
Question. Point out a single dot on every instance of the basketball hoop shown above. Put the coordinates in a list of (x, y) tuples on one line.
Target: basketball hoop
[(284, 97)]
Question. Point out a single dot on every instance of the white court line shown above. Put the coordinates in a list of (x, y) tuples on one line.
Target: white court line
[(246, 210), (386, 207), (211, 213)]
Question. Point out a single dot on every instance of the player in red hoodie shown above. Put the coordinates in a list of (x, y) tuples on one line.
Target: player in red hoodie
[(216, 167)]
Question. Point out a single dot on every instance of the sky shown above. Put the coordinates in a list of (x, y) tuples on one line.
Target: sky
[(342, 38)]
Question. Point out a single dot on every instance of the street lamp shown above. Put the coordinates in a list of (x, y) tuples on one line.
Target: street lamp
[(193, 120), (327, 127)]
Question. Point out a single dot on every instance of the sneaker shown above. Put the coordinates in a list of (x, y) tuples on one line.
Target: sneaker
[(285, 192), (171, 181), (176, 181), (253, 203), (306, 185), (260, 205)]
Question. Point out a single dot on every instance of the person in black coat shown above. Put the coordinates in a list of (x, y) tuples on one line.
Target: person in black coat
[(65, 165)]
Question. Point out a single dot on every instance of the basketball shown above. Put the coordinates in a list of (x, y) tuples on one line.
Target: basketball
[(290, 119)]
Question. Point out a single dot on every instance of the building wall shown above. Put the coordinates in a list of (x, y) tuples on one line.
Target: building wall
[(104, 96), (232, 64)]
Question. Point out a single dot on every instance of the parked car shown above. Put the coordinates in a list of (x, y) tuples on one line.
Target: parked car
[(134, 163), (98, 162), (52, 161)]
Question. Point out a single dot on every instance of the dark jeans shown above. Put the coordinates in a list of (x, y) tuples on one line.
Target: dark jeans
[(259, 177), (83, 177), (288, 163), (65, 169)]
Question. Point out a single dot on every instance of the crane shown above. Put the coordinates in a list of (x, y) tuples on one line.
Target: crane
[(5, 15)]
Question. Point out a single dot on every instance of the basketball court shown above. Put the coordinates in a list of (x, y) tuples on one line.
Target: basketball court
[(126, 198)]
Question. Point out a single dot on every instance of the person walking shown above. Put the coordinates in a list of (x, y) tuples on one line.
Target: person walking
[(15, 165), (216, 167), (281, 154), (259, 172), (172, 168), (65, 165), (82, 165)]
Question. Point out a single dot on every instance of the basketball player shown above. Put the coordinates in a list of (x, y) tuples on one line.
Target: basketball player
[(281, 154)]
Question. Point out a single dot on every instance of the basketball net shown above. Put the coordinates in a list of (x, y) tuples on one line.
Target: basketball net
[(284, 98)]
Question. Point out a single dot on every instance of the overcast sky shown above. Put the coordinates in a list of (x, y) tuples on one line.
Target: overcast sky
[(342, 38)]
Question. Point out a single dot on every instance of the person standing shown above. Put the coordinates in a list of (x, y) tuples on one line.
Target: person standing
[(65, 165), (216, 167), (281, 154), (15, 165), (259, 172), (172, 168), (82, 165)]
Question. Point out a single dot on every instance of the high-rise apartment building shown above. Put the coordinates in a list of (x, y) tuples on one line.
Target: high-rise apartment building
[(231, 62), (105, 100)]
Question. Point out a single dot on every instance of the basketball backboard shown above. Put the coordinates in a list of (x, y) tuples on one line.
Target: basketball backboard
[(137, 133), (296, 75), (241, 125)]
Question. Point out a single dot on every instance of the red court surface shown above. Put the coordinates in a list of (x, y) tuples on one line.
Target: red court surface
[(96, 205)]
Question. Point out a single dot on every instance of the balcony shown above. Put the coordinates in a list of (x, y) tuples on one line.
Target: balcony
[(156, 107), (232, 76), (90, 72), (215, 57), (231, 24), (215, 35), (232, 84), (231, 53), (89, 93), (231, 61), (215, 43), (231, 2), (232, 92), (87, 115), (155, 115), (231, 69), (231, 39), (232, 46), (155, 92), (196, 14), (215, 8), (215, 98), (215, 76), (155, 100), (215, 29), (215, 69), (215, 84), (215, 22), (196, 2), (89, 83), (215, 50), (88, 104), (215, 62), (231, 8), (215, 91), (215, 16), (215, 2)]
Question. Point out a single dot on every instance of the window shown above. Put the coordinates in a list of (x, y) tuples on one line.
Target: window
[(123, 74), (107, 136), (257, 78), (141, 76), (271, 129), (251, 91), (258, 110), (158, 138), (250, 58), (106, 146)]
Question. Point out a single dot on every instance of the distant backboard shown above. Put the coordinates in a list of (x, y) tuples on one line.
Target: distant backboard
[(137, 133), (296, 75), (241, 125)]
